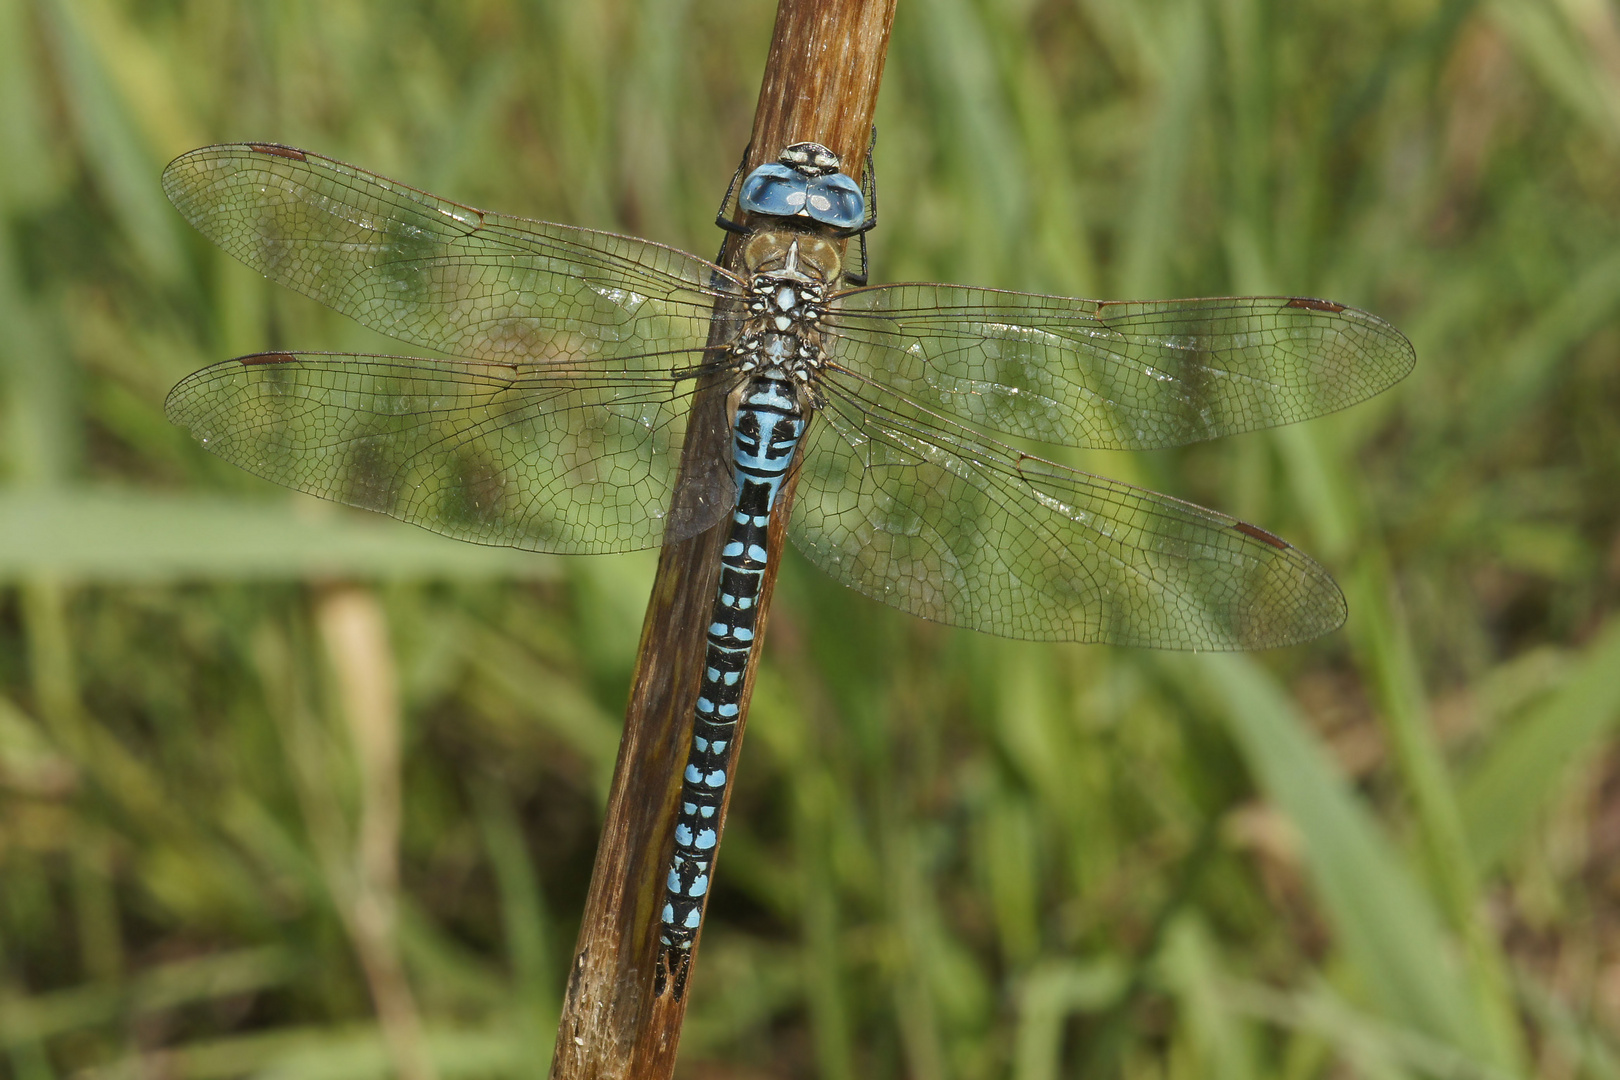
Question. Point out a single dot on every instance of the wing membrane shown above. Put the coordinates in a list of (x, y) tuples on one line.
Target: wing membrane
[(437, 274), (912, 509), (543, 457), (1115, 375), (560, 425)]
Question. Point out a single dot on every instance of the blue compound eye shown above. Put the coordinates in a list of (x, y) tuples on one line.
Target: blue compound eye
[(836, 200), (773, 189)]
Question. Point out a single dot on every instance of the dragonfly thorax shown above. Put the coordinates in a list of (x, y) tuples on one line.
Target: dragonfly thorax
[(793, 254), (781, 345), (788, 273)]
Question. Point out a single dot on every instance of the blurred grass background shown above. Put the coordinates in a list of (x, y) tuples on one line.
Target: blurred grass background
[(286, 791)]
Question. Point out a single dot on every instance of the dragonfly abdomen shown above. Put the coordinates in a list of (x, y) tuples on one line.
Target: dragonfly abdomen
[(769, 423)]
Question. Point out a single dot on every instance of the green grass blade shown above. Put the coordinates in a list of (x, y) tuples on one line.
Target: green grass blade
[(1388, 929), (1524, 771), (123, 535)]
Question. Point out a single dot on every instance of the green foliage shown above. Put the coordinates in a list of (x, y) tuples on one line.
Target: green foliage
[(288, 791)]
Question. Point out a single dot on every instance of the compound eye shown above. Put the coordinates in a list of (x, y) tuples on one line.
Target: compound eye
[(835, 200), (773, 189)]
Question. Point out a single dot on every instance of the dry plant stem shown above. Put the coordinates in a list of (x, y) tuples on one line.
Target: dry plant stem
[(355, 634), (820, 83)]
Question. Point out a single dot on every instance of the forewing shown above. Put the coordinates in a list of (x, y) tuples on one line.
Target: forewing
[(434, 273), (545, 457), (919, 512), (1114, 375)]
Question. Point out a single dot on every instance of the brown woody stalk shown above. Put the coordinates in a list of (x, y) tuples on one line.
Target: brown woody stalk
[(820, 84)]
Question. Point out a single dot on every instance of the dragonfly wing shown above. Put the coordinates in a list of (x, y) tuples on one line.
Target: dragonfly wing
[(434, 273), (544, 457), (912, 509), (1114, 375)]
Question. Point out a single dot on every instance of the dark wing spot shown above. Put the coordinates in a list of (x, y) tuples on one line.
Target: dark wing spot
[(1315, 305), (267, 358), (278, 151), (1260, 534)]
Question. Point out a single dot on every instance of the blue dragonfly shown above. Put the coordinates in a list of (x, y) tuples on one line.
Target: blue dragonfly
[(557, 422)]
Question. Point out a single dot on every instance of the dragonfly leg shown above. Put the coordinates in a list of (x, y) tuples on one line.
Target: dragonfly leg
[(720, 218), (869, 186)]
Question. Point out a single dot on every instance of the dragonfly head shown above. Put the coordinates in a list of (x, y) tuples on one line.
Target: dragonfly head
[(809, 158), (805, 182)]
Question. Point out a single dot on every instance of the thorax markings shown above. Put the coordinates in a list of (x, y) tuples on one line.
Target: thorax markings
[(788, 273)]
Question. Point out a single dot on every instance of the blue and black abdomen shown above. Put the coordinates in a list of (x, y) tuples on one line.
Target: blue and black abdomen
[(766, 434)]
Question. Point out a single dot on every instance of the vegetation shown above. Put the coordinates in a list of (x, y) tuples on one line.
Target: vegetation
[(286, 791)]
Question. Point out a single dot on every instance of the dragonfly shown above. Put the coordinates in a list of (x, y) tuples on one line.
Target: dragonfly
[(905, 414)]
